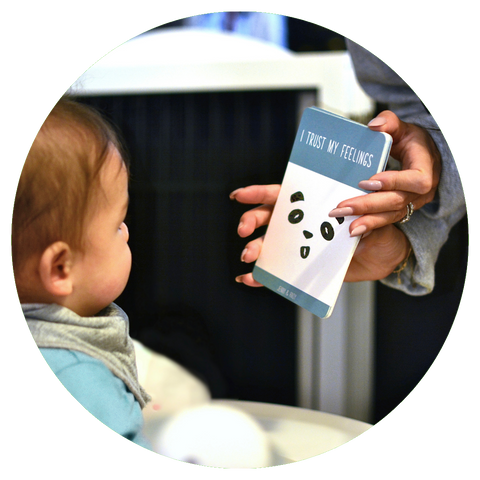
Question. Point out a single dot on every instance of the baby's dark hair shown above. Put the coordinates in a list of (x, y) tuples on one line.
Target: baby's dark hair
[(60, 180)]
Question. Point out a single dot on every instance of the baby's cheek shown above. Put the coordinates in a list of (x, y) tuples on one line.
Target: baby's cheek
[(125, 232), (122, 266)]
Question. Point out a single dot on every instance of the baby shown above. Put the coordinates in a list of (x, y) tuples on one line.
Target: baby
[(71, 260)]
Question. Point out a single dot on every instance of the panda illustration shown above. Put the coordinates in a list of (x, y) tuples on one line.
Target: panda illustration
[(297, 215)]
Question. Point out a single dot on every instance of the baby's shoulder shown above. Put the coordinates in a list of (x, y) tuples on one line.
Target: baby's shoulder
[(60, 358)]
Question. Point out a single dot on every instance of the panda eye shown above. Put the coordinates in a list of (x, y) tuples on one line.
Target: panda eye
[(327, 231), (295, 216)]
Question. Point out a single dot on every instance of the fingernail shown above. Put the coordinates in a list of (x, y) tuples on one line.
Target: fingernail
[(341, 212), (358, 231), (377, 122), (242, 256), (232, 195), (367, 234), (370, 185), (238, 279), (240, 225)]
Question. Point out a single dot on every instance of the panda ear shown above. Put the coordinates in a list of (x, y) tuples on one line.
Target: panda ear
[(296, 197)]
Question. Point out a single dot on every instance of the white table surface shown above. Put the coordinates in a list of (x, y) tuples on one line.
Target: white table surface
[(299, 433)]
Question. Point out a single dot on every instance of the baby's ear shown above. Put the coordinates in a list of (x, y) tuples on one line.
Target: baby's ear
[(55, 269)]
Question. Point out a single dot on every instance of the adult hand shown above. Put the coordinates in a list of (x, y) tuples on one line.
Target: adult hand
[(266, 196), (393, 190), (376, 256)]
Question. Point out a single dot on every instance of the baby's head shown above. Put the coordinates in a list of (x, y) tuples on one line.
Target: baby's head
[(69, 242)]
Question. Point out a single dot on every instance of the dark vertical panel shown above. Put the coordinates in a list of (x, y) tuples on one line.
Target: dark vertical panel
[(410, 331), (188, 152)]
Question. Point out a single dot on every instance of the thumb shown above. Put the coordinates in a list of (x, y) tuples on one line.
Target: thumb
[(388, 122), (416, 151), (409, 142)]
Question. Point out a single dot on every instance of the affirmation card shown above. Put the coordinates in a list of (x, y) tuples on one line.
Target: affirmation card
[(306, 254)]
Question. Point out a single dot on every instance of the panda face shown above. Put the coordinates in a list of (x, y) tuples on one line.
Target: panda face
[(297, 215)]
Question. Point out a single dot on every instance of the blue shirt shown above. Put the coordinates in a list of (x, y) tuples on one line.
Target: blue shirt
[(103, 394)]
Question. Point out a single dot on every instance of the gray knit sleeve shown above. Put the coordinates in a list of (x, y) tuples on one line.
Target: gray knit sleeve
[(429, 227)]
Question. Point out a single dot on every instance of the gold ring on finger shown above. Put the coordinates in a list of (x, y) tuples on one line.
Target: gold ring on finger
[(410, 210)]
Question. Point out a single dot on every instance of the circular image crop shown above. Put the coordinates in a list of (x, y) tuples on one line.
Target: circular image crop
[(172, 288)]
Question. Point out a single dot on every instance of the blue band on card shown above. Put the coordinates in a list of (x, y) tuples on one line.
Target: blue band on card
[(337, 148), (293, 294)]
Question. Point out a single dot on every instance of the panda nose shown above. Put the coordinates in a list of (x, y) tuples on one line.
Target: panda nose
[(307, 234)]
